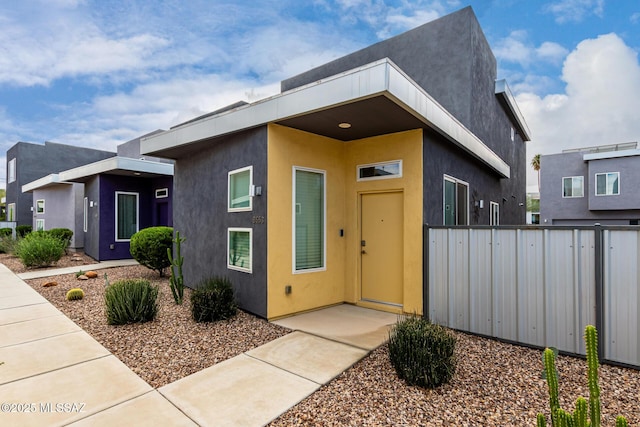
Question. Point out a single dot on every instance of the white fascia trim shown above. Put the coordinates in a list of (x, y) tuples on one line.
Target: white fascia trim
[(503, 90), (381, 77), (610, 155), (117, 163), (45, 181)]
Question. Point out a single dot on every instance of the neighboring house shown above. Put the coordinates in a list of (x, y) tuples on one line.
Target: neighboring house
[(318, 195), (27, 162), (533, 208), (591, 185), (57, 204), (105, 202)]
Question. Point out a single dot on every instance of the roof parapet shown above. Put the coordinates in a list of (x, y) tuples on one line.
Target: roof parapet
[(509, 101)]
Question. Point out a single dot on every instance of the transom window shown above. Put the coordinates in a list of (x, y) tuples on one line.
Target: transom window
[(309, 212), (126, 215), (40, 206), (161, 193), (239, 249), (456, 201), (240, 181), (573, 186), (608, 184), (392, 169)]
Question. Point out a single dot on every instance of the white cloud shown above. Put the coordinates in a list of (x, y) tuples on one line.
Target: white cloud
[(516, 48), (596, 107), (574, 10)]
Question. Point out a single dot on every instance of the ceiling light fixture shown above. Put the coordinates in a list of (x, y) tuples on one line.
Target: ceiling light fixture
[(344, 125)]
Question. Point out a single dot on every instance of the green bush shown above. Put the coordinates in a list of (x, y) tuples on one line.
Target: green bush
[(39, 250), (23, 230), (149, 247), (213, 300), (131, 301), (62, 234), (6, 232), (421, 352)]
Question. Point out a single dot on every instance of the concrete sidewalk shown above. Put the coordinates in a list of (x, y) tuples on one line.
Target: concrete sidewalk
[(54, 373)]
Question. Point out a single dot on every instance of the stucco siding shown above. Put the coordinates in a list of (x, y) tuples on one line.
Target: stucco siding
[(201, 216)]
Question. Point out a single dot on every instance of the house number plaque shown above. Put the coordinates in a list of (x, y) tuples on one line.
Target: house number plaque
[(259, 219)]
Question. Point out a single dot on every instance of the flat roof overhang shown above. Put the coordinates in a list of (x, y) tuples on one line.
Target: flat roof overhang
[(376, 99), (124, 166), (44, 182)]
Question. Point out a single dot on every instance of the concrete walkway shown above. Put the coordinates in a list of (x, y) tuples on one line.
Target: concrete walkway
[(52, 373)]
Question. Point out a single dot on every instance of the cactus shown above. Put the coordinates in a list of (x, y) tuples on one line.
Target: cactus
[(562, 418), (176, 281), (591, 340), (75, 294), (621, 421)]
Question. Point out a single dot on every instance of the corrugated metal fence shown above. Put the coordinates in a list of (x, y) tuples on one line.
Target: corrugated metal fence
[(538, 286)]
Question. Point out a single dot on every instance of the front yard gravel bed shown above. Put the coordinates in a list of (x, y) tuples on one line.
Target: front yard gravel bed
[(496, 384), (168, 348)]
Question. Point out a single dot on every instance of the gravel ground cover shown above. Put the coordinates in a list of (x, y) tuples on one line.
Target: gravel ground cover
[(496, 384)]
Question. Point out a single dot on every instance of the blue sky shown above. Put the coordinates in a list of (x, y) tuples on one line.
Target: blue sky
[(99, 73)]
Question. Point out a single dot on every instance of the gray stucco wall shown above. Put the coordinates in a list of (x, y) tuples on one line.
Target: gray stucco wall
[(614, 210), (34, 161), (63, 209), (629, 183), (200, 214)]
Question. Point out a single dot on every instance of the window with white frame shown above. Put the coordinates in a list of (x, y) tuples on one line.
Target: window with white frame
[(11, 171), (39, 224), (239, 249), (40, 206), (309, 213), (573, 186), (608, 184), (126, 215), (456, 201), (495, 213), (11, 212), (85, 214), (385, 170), (240, 181)]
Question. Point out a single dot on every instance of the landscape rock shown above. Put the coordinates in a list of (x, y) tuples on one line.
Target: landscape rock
[(82, 277), (49, 284), (91, 274)]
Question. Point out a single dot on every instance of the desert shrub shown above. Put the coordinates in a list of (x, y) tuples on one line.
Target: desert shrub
[(62, 234), (421, 352), (213, 300), (131, 301), (23, 230), (8, 244), (39, 250), (6, 232), (75, 294), (149, 247)]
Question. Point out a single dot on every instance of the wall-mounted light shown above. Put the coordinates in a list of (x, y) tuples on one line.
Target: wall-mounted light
[(255, 190)]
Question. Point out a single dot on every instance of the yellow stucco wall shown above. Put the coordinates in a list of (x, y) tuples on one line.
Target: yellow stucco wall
[(340, 282)]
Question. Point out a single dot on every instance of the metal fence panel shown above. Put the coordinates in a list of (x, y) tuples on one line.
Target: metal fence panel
[(530, 285), (621, 295), (505, 291)]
